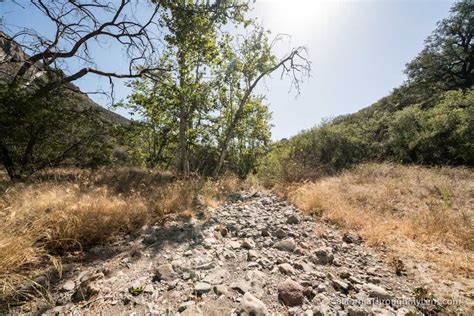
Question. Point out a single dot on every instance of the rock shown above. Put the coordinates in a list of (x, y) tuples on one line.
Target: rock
[(290, 293), (357, 311), (228, 255), (265, 232), (355, 280), (234, 244), (217, 276), (202, 287), (164, 272), (252, 255), (240, 286), (286, 268), (221, 289), (298, 251), (185, 305), (85, 291), (68, 286), (323, 256), (150, 239), (285, 245), (293, 219), (149, 289), (351, 238), (306, 267), (280, 233), (341, 286), (321, 288), (224, 232), (252, 306), (377, 292), (192, 310), (257, 281), (248, 243)]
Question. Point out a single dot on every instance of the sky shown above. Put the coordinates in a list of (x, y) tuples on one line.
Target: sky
[(358, 50)]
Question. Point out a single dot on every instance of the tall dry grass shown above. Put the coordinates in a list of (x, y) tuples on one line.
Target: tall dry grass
[(424, 213), (66, 211)]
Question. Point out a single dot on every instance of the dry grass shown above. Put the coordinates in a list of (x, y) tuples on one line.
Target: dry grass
[(66, 211), (418, 212)]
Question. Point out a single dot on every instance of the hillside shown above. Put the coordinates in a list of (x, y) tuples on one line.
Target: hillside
[(10, 52)]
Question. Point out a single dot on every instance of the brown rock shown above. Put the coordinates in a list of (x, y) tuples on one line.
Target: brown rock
[(290, 293)]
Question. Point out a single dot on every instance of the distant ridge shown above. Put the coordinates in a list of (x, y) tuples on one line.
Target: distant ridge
[(11, 54)]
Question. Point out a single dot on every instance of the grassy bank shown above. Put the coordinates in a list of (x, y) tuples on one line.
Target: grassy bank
[(65, 212), (418, 212)]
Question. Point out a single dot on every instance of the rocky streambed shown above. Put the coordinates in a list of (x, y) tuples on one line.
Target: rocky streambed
[(257, 255)]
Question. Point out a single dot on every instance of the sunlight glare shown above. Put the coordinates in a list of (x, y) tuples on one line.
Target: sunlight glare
[(297, 17)]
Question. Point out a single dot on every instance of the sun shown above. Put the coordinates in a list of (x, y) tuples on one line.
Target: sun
[(302, 17)]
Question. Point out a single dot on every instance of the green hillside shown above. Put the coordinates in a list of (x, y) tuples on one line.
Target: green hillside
[(427, 120)]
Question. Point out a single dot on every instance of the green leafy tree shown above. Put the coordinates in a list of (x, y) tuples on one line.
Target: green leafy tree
[(48, 131), (253, 61), (447, 61)]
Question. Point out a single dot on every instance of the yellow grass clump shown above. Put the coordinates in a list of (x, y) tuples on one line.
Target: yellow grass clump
[(66, 211), (409, 209)]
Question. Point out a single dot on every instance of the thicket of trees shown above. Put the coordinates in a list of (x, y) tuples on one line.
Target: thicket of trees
[(193, 86), (194, 99), (205, 116), (428, 120)]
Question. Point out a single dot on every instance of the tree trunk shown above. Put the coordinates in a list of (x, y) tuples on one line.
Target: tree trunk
[(7, 162), (229, 135), (183, 166)]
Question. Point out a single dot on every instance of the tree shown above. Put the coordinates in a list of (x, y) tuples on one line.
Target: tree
[(45, 119), (447, 61), (48, 131), (78, 24), (192, 39), (253, 62)]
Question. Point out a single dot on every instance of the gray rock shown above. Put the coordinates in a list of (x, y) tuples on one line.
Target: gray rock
[(293, 219), (357, 311), (377, 292), (192, 310), (252, 306), (323, 256), (351, 238), (68, 286), (185, 305), (248, 243), (234, 244), (150, 239), (306, 267), (85, 291), (252, 255), (221, 289), (164, 272), (286, 268), (280, 233), (240, 286), (290, 293), (341, 286), (217, 276), (285, 245), (202, 287)]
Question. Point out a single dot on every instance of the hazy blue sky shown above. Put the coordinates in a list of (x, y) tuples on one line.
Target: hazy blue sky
[(358, 51)]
